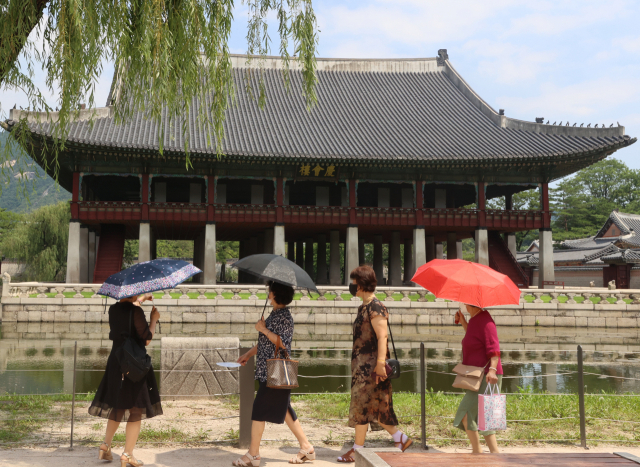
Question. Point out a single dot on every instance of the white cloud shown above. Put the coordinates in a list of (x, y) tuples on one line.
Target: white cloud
[(629, 44)]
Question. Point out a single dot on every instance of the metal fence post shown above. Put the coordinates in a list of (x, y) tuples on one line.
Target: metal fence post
[(423, 398), (73, 391), (583, 421), (246, 385)]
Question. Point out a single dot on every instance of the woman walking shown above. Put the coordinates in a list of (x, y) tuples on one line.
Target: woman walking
[(480, 348), (118, 399), (273, 405), (371, 400)]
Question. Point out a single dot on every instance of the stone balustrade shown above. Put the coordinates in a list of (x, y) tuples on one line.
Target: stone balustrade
[(233, 303)]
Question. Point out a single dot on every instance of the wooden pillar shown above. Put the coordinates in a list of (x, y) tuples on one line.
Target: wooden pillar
[(211, 198), (544, 195), (508, 202), (145, 197), (419, 204), (482, 216), (352, 202), (279, 200), (75, 196)]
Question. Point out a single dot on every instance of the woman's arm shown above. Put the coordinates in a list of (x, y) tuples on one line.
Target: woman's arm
[(462, 320), (492, 378), (246, 356), (379, 324)]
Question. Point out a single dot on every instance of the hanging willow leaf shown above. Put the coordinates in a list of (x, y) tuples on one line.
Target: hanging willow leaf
[(168, 55)]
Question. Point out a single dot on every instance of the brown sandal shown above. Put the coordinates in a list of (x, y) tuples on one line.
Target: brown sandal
[(404, 446), (105, 454), (347, 457)]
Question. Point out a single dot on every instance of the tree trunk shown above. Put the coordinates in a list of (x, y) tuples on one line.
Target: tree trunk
[(21, 18)]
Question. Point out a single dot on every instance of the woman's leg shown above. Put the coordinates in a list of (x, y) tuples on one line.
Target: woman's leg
[(257, 429), (298, 432), (474, 438), (492, 443), (131, 436), (361, 434), (392, 430), (112, 427)]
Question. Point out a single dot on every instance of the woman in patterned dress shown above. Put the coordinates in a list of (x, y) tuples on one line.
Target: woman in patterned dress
[(371, 400), (273, 405)]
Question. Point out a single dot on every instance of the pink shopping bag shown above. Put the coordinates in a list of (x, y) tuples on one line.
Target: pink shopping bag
[(492, 410)]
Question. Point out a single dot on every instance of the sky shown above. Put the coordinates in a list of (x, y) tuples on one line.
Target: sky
[(576, 61)]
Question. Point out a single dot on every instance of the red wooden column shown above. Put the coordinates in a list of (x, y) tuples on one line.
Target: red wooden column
[(145, 197), (279, 200), (546, 215), (419, 203), (352, 202), (482, 202), (211, 198), (75, 196)]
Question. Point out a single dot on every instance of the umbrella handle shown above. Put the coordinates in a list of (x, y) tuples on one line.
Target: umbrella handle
[(265, 306)]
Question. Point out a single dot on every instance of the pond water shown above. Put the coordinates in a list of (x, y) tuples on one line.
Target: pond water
[(35, 363)]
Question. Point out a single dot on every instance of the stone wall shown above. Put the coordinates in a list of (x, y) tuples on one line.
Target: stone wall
[(404, 310)]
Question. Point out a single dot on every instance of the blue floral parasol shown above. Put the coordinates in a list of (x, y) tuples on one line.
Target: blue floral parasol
[(149, 276)]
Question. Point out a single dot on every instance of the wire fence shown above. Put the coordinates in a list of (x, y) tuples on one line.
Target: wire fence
[(243, 434)]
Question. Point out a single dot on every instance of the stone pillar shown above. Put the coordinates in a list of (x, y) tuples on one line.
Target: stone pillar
[(291, 251), (439, 251), (511, 243), (459, 254), (144, 242), (430, 248), (351, 260), (84, 254), (252, 250), (322, 259), (268, 241), (300, 253), (92, 253), (243, 246), (419, 250), (334, 257), (378, 263), (278, 241), (308, 256), (452, 250), (360, 251), (408, 262), (210, 267), (546, 271), (261, 244), (395, 270), (482, 246), (73, 253)]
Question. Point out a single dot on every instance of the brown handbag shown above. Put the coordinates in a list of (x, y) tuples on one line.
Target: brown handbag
[(282, 373), (468, 377)]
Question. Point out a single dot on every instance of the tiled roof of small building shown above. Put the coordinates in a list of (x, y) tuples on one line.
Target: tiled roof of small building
[(626, 256), (368, 110), (627, 223)]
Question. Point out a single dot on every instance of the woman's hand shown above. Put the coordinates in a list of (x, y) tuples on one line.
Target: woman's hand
[(155, 314), (492, 378), (460, 319), (243, 359), (380, 371), (261, 326)]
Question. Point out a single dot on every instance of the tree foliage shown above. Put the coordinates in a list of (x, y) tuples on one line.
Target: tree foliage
[(166, 52), (582, 203), (40, 240), (522, 201)]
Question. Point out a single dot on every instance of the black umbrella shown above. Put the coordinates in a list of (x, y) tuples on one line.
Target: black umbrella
[(276, 268)]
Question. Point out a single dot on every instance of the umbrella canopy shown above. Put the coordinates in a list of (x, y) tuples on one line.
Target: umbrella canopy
[(149, 276), (276, 268), (466, 282)]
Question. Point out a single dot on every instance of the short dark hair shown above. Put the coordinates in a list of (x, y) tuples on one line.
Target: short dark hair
[(282, 294), (365, 277)]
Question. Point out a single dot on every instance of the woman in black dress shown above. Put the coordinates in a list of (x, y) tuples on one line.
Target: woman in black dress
[(273, 405), (118, 399)]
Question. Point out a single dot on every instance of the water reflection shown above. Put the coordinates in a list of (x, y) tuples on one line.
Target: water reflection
[(46, 351)]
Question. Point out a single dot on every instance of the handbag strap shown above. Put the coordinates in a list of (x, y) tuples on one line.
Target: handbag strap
[(391, 335), (280, 346)]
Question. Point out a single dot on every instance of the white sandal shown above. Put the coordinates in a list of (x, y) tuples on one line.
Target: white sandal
[(306, 456), (241, 462)]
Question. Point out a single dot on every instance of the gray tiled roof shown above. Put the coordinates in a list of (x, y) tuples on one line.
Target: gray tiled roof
[(627, 256), (627, 223), (367, 115), (589, 242)]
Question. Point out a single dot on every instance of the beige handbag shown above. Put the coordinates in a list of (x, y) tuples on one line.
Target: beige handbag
[(468, 377), (282, 373)]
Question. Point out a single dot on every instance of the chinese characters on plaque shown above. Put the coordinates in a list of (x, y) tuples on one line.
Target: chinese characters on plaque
[(317, 171)]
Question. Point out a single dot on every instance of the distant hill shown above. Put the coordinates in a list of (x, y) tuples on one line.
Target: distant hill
[(36, 191)]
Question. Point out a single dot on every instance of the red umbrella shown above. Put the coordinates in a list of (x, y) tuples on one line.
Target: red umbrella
[(466, 282)]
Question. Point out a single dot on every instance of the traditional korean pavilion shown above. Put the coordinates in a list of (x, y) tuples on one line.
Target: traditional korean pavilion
[(398, 151)]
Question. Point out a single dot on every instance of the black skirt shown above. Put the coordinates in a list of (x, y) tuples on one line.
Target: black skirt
[(271, 405), (123, 400)]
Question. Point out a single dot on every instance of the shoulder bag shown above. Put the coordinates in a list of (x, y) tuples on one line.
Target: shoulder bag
[(468, 377), (392, 365), (282, 373), (134, 361)]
